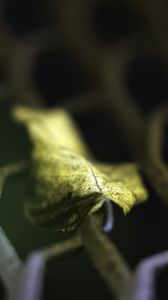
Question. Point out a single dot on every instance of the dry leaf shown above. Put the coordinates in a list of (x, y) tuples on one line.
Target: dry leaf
[(68, 183)]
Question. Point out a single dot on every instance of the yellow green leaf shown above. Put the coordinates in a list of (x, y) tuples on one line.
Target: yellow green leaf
[(67, 183)]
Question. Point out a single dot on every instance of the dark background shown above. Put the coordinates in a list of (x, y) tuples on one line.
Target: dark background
[(59, 76)]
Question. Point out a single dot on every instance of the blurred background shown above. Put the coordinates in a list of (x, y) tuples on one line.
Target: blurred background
[(81, 55)]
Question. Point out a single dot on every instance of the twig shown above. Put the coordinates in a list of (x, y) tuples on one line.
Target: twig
[(10, 169), (154, 163), (10, 264), (62, 247), (145, 277), (155, 12), (105, 257), (31, 283)]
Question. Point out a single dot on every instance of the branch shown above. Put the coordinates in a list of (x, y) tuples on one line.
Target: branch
[(30, 286), (154, 164), (10, 264), (144, 281), (106, 258)]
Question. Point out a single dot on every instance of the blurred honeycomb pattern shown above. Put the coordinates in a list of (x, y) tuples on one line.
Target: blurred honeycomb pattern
[(106, 61)]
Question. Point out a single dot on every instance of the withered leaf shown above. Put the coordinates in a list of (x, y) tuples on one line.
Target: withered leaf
[(68, 183)]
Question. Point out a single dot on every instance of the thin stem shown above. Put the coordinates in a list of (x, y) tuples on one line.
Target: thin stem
[(154, 165), (144, 282), (31, 284), (10, 263), (83, 104), (155, 12), (62, 247), (11, 169), (106, 258)]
